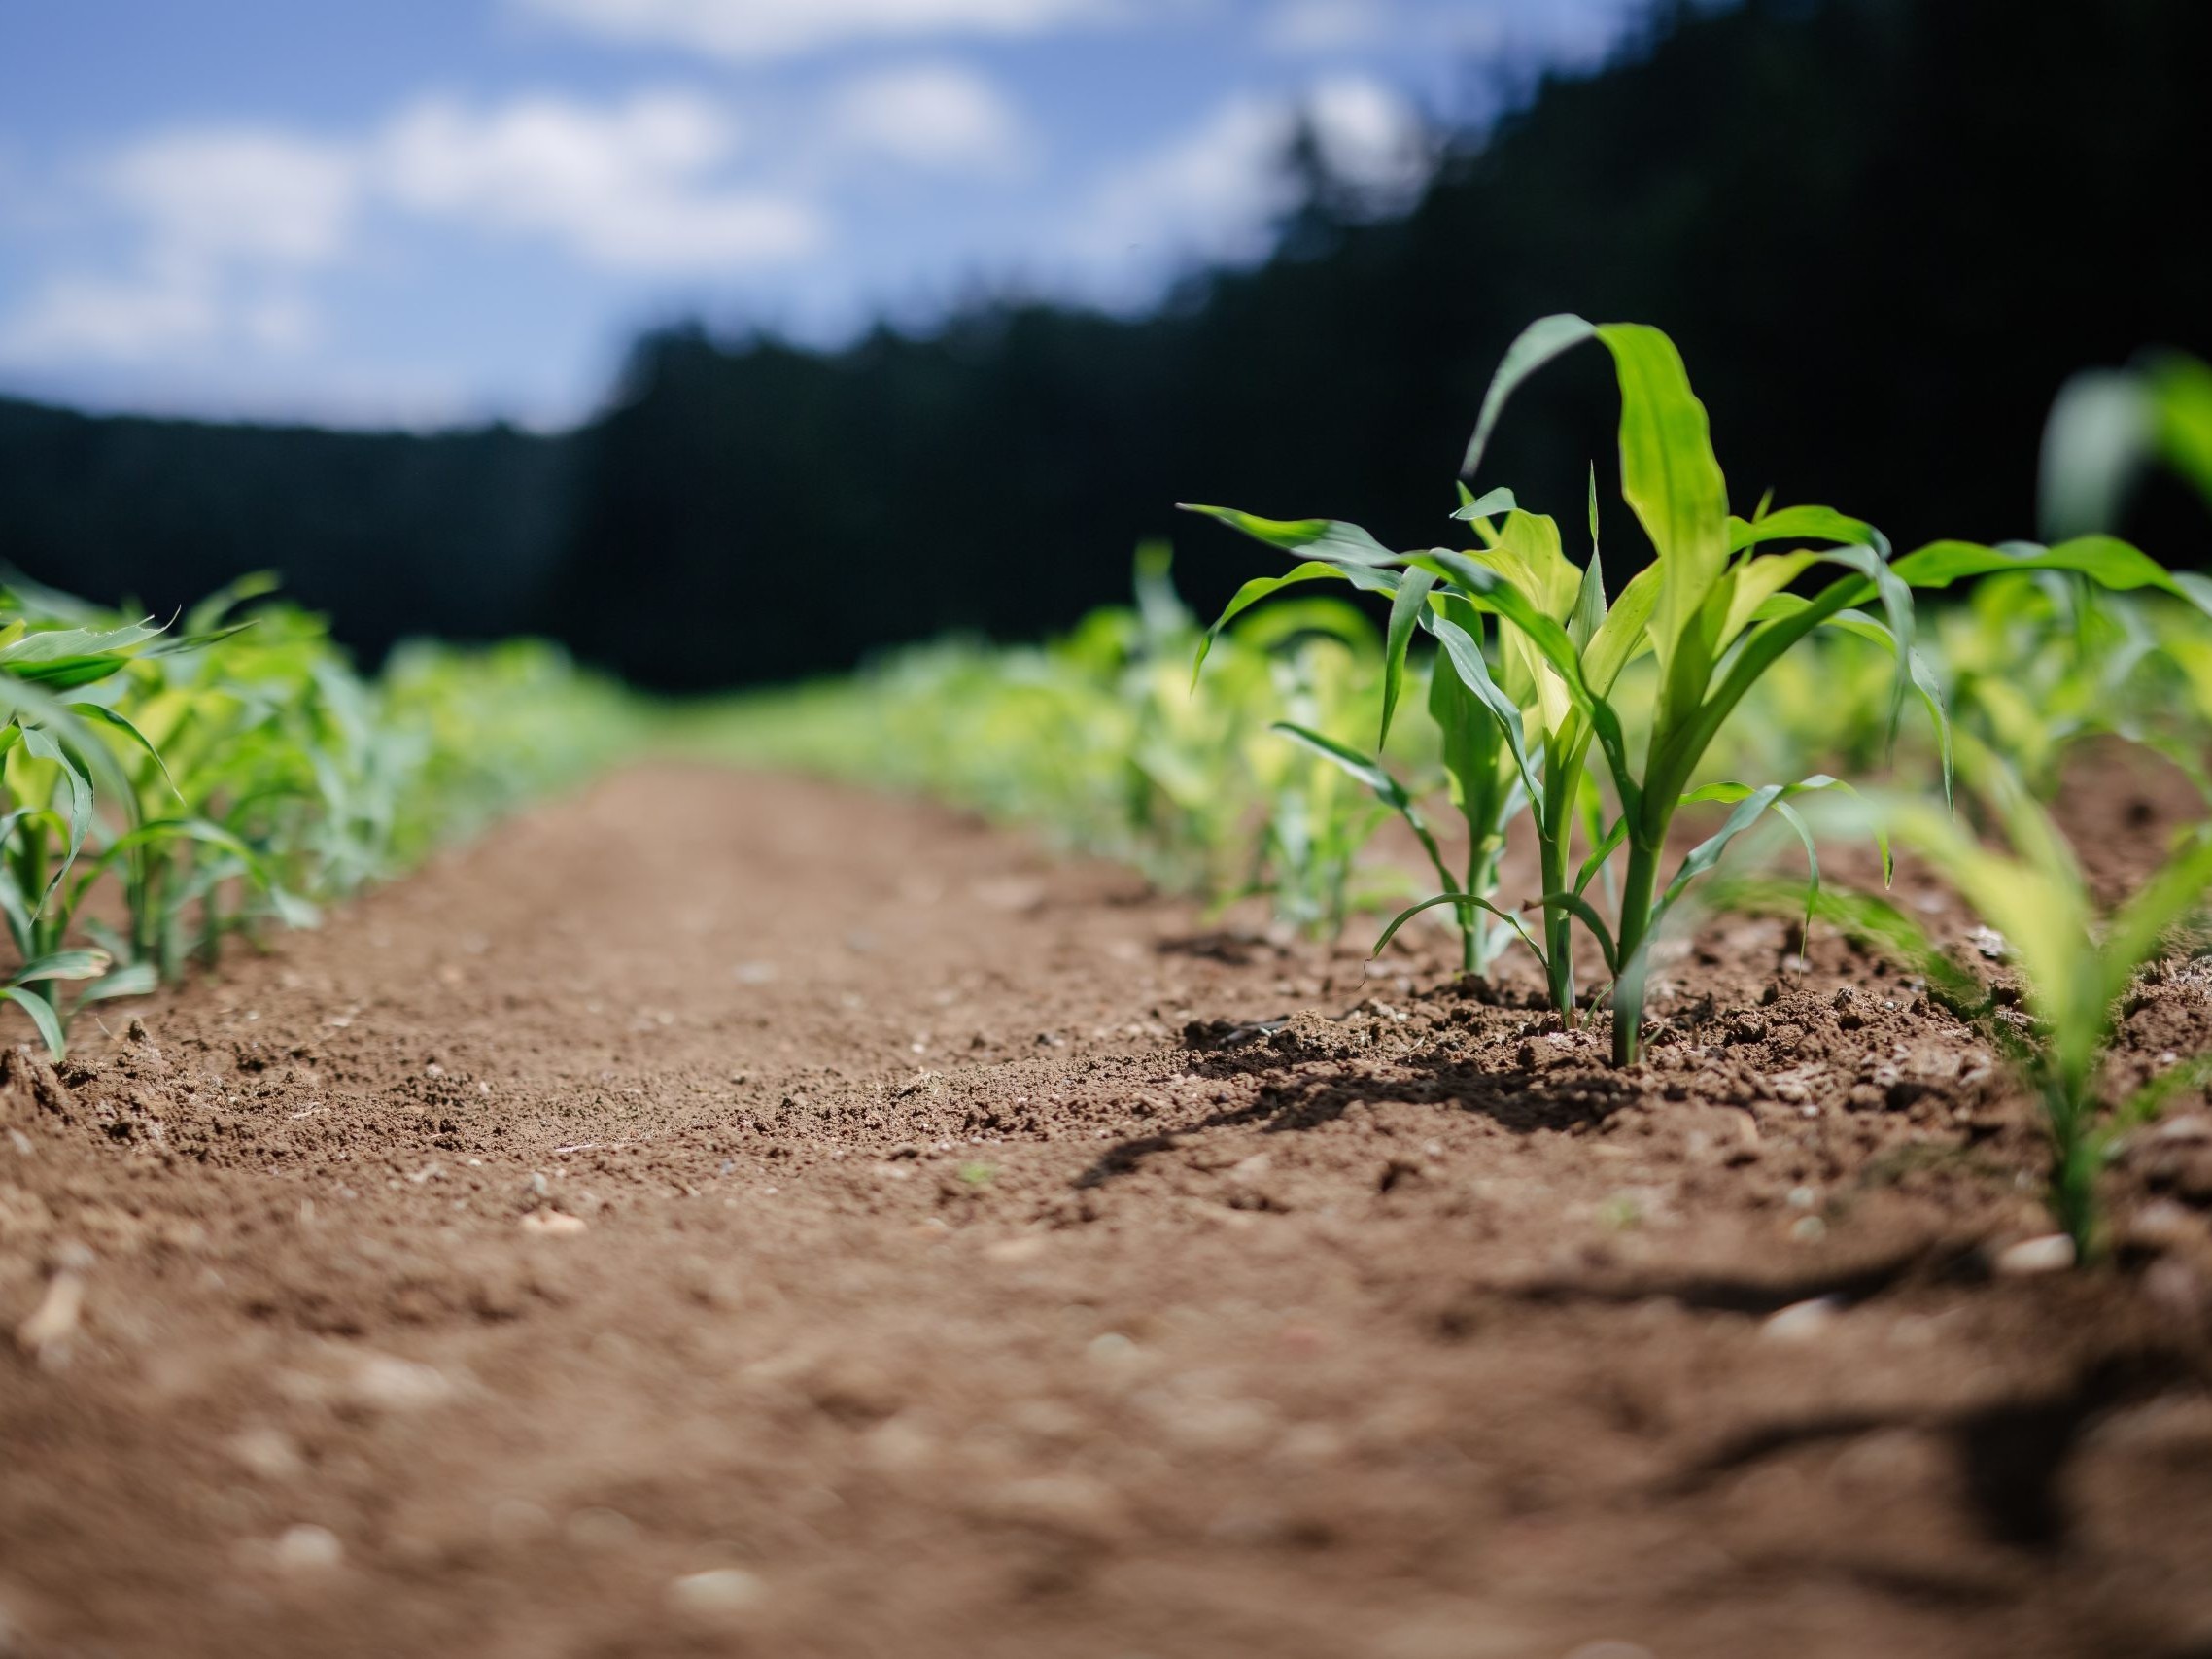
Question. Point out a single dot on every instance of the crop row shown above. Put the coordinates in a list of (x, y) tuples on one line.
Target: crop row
[(168, 786), (1760, 670)]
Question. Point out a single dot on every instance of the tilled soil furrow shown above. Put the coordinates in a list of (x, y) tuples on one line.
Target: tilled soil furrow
[(728, 1214)]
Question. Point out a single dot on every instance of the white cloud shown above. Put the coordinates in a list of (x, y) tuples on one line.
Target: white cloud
[(225, 223), (752, 29), (1369, 134), (938, 116), (209, 194), (632, 188), (103, 317), (1214, 191), (1327, 26)]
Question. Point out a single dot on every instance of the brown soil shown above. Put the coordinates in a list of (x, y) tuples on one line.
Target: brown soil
[(948, 1252)]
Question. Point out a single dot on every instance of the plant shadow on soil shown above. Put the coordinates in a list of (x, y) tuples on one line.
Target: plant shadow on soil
[(2013, 1454), (1515, 1099)]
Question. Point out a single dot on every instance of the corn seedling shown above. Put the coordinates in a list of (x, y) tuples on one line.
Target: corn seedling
[(2076, 964), (2108, 424), (166, 787), (1713, 610)]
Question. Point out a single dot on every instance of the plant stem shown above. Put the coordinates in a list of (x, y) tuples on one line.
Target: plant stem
[(1558, 928), (1479, 932), (2074, 1163), (1630, 944)]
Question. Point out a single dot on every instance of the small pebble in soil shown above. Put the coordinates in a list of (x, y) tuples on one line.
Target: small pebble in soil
[(1802, 1321), (267, 1452), (385, 1382), (307, 1549), (2050, 1253), (553, 1223), (720, 1594), (2160, 1224)]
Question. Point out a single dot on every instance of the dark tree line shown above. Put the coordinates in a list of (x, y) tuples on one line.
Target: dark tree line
[(1882, 231)]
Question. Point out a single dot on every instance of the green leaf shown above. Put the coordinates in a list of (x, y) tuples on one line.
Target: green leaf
[(2182, 387), (108, 716), (1322, 537), (1791, 817), (39, 742), (1598, 853), (1365, 580), (1251, 593), (68, 673), (1613, 646), (1668, 474), (1868, 921), (1707, 853), (1406, 608), (1464, 653), (1921, 674), (1576, 906), (65, 645), (1350, 760), (64, 965), (2135, 935), (1817, 524), (1472, 740), (1461, 901), (1377, 778), (1589, 613), (1536, 345), (139, 979), (2149, 1101), (2104, 559), (2099, 432), (1493, 592), (207, 616), (1489, 504), (42, 1016)]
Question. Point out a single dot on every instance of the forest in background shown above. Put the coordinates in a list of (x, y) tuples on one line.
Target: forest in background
[(1882, 232)]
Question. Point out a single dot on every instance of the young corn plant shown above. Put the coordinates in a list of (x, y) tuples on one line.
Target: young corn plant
[(199, 780), (2076, 964), (1715, 611), (55, 766), (1486, 791)]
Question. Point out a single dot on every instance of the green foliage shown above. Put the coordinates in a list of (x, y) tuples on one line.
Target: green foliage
[(2077, 962), (162, 788), (1233, 787), (1537, 644)]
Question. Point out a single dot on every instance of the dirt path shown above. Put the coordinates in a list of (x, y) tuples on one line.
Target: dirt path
[(727, 1215)]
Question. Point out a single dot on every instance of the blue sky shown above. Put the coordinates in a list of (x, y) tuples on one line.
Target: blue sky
[(420, 212)]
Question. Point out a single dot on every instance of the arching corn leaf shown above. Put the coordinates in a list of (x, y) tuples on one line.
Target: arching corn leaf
[(42, 1016), (1459, 901), (1406, 607), (1533, 347), (1318, 538), (1668, 474)]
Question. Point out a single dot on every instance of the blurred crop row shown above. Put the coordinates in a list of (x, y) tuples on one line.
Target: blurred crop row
[(168, 786), (1758, 669)]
